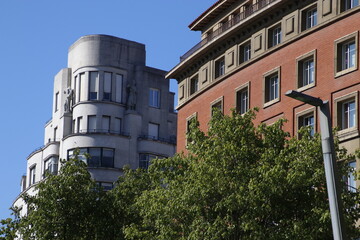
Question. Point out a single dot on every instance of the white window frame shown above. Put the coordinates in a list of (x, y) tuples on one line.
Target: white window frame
[(271, 87), (242, 98), (346, 54)]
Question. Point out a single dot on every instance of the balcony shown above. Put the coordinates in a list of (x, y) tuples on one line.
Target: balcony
[(171, 140), (237, 19)]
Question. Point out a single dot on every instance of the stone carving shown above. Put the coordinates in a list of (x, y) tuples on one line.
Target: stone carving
[(69, 101), (131, 100)]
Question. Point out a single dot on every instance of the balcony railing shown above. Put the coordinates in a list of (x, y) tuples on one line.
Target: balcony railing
[(249, 10), (171, 140), (105, 131)]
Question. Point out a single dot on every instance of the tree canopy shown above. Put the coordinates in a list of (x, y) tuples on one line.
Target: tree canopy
[(237, 181)]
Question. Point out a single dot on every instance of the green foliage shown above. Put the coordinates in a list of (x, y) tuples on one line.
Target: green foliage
[(237, 181)]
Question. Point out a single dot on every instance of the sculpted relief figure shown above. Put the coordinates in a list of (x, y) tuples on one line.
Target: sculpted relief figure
[(131, 100), (69, 100)]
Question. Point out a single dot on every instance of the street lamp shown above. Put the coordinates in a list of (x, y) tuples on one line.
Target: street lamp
[(327, 142)]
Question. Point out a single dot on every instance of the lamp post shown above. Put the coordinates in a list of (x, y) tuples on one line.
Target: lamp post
[(327, 142)]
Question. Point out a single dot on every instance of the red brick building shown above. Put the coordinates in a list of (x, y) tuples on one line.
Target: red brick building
[(253, 51)]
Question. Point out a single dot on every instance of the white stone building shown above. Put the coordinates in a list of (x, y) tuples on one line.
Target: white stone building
[(109, 104)]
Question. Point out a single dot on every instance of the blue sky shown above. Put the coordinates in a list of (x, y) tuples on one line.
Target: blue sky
[(34, 40)]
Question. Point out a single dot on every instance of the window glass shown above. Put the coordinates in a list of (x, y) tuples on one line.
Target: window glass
[(154, 98), (349, 114), (107, 158), (220, 67), (242, 104), (153, 130), (117, 126), (311, 18), (92, 123), (119, 83), (351, 181), (194, 85), (308, 72), (94, 158), (105, 124), (94, 82), (107, 86), (32, 175)]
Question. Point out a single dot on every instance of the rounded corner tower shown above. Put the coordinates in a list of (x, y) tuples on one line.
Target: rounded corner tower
[(108, 104)]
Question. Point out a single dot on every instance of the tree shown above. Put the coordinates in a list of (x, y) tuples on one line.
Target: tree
[(239, 181), (68, 206)]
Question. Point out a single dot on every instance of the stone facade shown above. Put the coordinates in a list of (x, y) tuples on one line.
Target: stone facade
[(109, 104)]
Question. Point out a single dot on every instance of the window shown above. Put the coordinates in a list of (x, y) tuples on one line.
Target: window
[(73, 130), (189, 121), (79, 125), (194, 84), (346, 114), (118, 85), (91, 124), (309, 18), (107, 86), (153, 131), (348, 4), (55, 134), (107, 186), (145, 160), (97, 157), (105, 124), (94, 80), (346, 54), (275, 36), (82, 89), (117, 127), (56, 101), (220, 67), (245, 52), (306, 70), (154, 98), (32, 175), (272, 86), (75, 88), (307, 120), (51, 165), (242, 100), (350, 180), (217, 104)]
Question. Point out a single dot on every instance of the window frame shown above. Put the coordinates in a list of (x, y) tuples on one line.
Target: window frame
[(245, 52), (348, 132), (339, 60), (91, 94), (274, 36), (219, 67), (85, 150), (187, 126), (304, 114), (107, 96), (267, 100), (219, 100), (305, 24), (300, 71), (193, 88), (238, 102), (32, 175), (154, 100)]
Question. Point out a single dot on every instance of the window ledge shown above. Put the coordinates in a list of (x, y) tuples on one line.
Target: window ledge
[(306, 87), (346, 71), (347, 133), (267, 104)]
